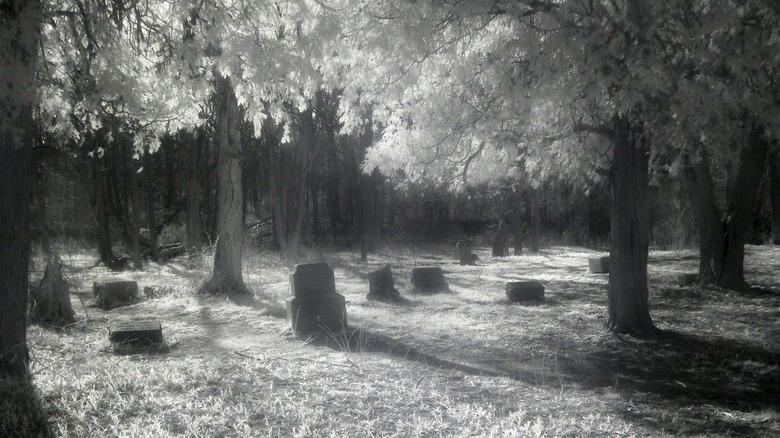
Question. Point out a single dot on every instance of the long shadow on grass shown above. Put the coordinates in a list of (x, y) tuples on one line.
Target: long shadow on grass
[(675, 372), (364, 341), (22, 412)]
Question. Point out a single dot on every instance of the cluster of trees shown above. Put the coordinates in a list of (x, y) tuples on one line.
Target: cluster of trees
[(268, 106)]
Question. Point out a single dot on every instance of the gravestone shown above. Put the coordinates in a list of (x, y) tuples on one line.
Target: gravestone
[(519, 291), (113, 293), (140, 333), (429, 280), (598, 265), (380, 286), (464, 253), (315, 305), (687, 279)]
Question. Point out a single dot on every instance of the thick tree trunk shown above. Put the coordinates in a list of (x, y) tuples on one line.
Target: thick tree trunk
[(227, 277), (627, 297), (50, 300), (15, 186), (743, 195), (500, 239), (774, 193), (706, 215), (194, 239), (21, 23)]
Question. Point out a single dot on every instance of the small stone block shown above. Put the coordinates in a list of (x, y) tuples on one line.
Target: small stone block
[(110, 294), (309, 314), (136, 333), (687, 279), (312, 279), (429, 279), (598, 265), (518, 291)]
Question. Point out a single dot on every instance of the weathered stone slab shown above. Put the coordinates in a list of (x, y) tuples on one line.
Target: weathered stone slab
[(138, 333), (312, 279), (519, 291), (687, 279), (598, 265), (315, 305), (464, 253), (380, 286), (429, 280), (113, 293), (313, 313)]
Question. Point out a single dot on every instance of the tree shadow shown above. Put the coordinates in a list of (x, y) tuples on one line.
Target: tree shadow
[(681, 371)]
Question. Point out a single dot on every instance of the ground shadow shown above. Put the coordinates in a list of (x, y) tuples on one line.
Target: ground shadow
[(22, 411), (687, 372)]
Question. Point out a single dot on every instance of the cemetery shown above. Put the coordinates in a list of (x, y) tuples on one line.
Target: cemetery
[(306, 218), (544, 361)]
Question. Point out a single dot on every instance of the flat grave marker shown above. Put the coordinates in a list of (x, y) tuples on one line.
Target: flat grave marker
[(139, 333)]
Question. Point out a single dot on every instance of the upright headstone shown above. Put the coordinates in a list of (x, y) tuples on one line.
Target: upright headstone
[(687, 279), (598, 265), (519, 291), (380, 286), (113, 293), (429, 280), (315, 305), (464, 253)]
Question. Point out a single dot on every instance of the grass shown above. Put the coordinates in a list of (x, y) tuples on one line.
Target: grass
[(464, 363)]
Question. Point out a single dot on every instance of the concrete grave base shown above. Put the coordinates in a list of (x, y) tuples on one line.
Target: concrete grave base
[(310, 314), (110, 294), (598, 265), (687, 279), (429, 280), (519, 291)]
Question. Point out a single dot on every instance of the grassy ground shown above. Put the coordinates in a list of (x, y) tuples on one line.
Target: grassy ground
[(465, 363)]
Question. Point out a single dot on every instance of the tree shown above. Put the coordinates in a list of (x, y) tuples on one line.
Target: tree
[(19, 35)]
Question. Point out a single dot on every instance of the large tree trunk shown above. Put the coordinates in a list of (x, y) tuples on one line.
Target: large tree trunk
[(227, 277), (21, 25), (627, 297), (743, 195), (194, 239), (500, 239), (774, 186), (50, 300), (706, 216)]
